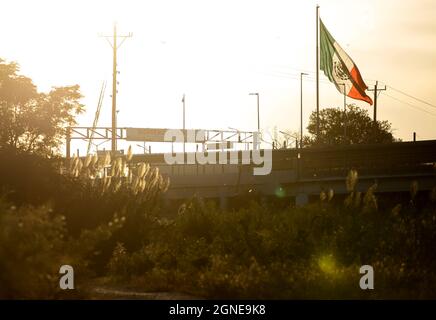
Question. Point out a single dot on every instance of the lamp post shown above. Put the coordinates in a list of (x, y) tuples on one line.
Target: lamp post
[(301, 108)]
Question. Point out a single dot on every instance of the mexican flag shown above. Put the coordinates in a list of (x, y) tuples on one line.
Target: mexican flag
[(340, 68)]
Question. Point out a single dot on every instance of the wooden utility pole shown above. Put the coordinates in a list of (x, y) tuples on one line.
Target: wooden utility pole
[(115, 46), (376, 91)]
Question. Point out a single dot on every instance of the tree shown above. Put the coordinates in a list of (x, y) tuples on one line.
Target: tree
[(31, 121), (351, 127)]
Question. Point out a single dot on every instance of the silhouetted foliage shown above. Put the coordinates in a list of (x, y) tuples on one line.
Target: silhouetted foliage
[(360, 128), (32, 121), (85, 199), (34, 243), (297, 252)]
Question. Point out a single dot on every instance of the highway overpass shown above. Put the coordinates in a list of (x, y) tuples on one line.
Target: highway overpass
[(301, 173)]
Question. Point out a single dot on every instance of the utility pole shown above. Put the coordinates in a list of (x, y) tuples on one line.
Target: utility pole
[(115, 46), (376, 91)]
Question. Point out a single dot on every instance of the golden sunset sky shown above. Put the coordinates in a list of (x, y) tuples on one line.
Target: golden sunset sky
[(216, 52)]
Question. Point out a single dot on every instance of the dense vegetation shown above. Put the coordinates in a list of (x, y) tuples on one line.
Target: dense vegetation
[(117, 232), (310, 252), (105, 217), (48, 219)]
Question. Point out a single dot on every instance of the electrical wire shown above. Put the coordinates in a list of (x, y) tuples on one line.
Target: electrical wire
[(311, 77), (370, 80), (413, 97), (410, 105)]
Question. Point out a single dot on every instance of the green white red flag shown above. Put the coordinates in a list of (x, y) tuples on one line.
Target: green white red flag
[(340, 68)]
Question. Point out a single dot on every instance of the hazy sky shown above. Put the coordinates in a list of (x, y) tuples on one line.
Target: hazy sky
[(218, 51)]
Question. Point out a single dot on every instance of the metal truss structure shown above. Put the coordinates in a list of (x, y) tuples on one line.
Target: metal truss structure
[(220, 137)]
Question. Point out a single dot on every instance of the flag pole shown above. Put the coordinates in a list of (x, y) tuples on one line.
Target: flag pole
[(317, 72)]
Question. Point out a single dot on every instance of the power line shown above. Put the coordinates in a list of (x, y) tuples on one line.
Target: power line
[(282, 71), (410, 105), (410, 96), (292, 76), (370, 80), (406, 94)]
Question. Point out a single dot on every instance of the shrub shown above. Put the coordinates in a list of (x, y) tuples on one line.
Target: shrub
[(31, 251), (310, 252), (92, 192), (34, 244)]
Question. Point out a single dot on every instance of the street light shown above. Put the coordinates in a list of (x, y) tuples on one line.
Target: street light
[(258, 117), (301, 108)]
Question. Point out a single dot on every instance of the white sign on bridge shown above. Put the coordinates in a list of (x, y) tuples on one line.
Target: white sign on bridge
[(155, 134)]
